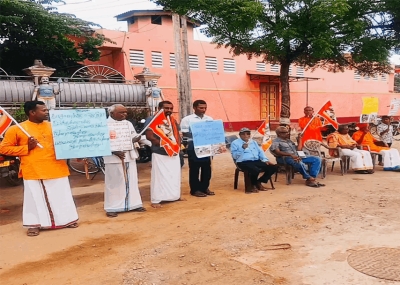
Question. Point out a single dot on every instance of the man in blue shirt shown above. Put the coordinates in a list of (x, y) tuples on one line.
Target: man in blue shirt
[(250, 157)]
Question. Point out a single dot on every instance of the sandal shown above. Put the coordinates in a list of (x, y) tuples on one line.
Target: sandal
[(112, 214), (141, 209), (210, 193), (33, 232), (320, 184), (261, 188), (199, 194), (74, 225), (312, 184)]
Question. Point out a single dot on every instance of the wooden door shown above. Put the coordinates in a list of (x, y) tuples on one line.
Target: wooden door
[(269, 100)]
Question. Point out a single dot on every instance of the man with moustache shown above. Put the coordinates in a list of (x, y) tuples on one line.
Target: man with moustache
[(165, 170)]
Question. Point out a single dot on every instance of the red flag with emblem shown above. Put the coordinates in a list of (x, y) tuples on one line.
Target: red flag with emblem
[(265, 131), (161, 126), (328, 114), (5, 122)]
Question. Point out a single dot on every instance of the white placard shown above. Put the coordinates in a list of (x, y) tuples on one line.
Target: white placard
[(394, 107), (120, 136)]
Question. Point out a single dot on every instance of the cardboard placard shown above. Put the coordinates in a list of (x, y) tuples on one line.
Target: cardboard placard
[(80, 133)]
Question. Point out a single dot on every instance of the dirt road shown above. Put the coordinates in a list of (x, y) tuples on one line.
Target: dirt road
[(230, 238)]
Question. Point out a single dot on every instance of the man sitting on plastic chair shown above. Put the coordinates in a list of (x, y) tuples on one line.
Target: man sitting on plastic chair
[(249, 157), (286, 152)]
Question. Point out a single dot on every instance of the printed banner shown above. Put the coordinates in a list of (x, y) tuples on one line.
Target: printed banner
[(394, 107), (120, 136), (80, 133), (208, 138), (370, 109)]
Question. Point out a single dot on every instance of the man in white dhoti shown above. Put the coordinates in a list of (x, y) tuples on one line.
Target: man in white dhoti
[(361, 161), (165, 170), (48, 202), (121, 193)]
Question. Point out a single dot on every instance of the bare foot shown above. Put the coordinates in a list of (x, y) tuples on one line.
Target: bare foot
[(156, 205), (181, 199)]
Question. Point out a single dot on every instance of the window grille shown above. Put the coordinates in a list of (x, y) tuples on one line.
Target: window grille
[(229, 65), (156, 59), (136, 57), (211, 64)]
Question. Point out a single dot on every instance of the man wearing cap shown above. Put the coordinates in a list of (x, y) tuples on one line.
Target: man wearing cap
[(249, 156), (391, 157)]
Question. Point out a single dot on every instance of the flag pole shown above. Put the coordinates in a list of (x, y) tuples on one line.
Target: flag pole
[(313, 117), (18, 125)]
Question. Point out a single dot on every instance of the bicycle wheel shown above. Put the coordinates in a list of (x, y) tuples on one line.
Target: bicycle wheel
[(78, 165), (99, 161)]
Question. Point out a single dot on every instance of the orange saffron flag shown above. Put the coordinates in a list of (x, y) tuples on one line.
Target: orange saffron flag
[(161, 126), (328, 114), (265, 131), (5, 122)]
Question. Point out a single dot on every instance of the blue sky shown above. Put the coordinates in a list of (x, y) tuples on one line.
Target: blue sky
[(103, 11)]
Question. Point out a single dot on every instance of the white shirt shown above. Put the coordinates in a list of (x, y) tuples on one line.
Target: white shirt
[(130, 155), (186, 121), (386, 137)]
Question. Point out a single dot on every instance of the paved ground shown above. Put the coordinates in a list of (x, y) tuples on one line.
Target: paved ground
[(224, 239)]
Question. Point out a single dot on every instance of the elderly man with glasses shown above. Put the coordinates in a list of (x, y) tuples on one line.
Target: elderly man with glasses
[(250, 157), (286, 152)]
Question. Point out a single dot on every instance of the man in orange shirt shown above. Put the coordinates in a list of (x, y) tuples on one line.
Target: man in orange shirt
[(391, 156), (48, 202), (313, 131)]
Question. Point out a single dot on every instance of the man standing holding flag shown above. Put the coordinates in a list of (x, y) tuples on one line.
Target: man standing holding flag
[(163, 132), (48, 202), (311, 124)]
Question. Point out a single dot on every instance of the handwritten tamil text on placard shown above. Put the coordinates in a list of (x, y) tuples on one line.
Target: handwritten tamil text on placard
[(120, 136), (207, 132), (208, 138), (80, 133)]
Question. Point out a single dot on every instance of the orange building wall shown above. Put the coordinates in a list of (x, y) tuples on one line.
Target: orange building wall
[(232, 96)]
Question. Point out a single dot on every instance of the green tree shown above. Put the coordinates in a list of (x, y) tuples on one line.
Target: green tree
[(35, 30), (329, 34)]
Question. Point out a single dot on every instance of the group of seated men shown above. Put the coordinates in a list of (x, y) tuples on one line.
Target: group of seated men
[(249, 157)]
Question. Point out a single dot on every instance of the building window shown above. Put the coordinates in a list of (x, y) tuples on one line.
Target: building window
[(136, 57), (375, 77), (290, 70), (260, 66), (229, 65), (193, 62), (211, 64), (156, 20), (300, 71), (383, 77), (366, 77), (275, 68), (357, 75), (156, 59), (172, 60)]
